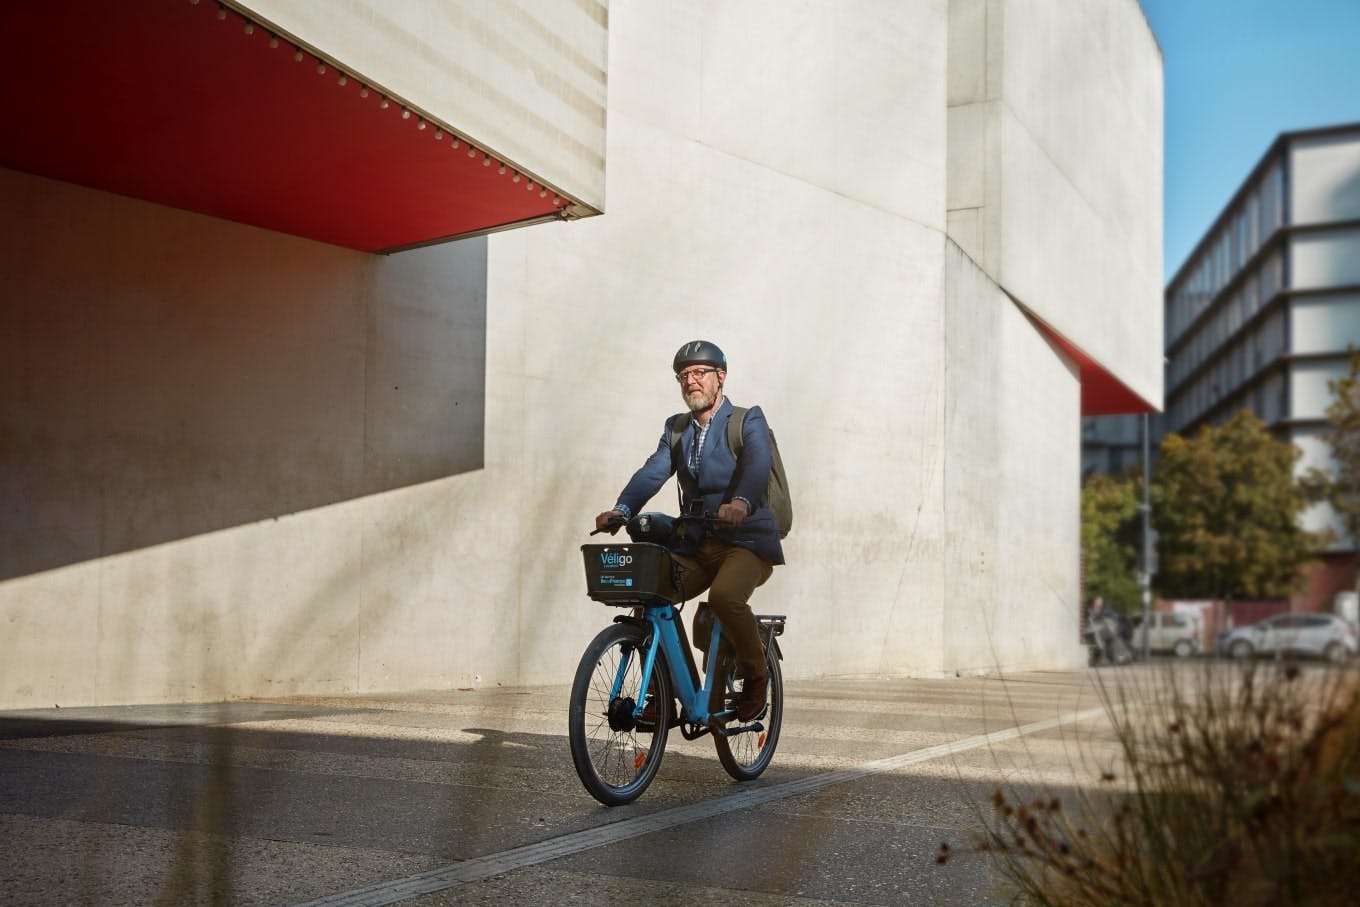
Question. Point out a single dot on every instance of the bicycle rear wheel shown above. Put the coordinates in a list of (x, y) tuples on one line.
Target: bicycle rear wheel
[(617, 756), (748, 753)]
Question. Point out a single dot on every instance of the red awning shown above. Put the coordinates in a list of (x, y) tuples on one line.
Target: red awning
[(188, 104)]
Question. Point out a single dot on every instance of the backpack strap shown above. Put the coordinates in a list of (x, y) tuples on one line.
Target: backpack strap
[(676, 425), (735, 423)]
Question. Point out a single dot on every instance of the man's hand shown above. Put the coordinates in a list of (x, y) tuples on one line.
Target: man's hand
[(733, 512), (609, 516)]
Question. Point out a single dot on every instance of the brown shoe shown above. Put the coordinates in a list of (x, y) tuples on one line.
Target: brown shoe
[(751, 702)]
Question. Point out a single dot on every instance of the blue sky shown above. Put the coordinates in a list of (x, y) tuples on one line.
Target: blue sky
[(1238, 73)]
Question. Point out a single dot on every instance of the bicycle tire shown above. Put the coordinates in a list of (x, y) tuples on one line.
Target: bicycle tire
[(615, 758), (746, 755)]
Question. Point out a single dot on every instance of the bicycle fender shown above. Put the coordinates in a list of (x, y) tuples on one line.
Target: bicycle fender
[(640, 622)]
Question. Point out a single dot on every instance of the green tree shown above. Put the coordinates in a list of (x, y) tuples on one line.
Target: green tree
[(1226, 507), (1339, 486), (1109, 520)]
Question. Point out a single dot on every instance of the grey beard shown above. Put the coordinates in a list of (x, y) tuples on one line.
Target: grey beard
[(702, 402)]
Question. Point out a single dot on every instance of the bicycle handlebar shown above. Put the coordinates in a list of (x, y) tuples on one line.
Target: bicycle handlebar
[(708, 519), (611, 527)]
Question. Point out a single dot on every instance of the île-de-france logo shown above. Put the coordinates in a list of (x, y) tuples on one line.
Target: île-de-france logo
[(615, 559)]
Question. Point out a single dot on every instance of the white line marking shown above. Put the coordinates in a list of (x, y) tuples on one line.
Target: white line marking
[(445, 877)]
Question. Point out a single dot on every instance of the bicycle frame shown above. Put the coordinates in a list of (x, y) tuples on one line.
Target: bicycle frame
[(662, 620), (664, 638)]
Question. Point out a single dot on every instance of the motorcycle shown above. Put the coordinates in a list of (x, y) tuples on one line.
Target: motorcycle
[(1107, 641)]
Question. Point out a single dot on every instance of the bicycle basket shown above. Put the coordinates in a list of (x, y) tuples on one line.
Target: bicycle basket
[(629, 574)]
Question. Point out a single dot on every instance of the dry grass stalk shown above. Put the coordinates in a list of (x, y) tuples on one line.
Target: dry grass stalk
[(1242, 787)]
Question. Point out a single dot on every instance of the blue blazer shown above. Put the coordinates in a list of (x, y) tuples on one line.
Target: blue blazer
[(721, 478)]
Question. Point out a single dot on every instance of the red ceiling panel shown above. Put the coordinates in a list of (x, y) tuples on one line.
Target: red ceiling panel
[(187, 104), (1102, 394)]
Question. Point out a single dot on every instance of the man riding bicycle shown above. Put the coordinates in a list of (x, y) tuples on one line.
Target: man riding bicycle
[(732, 560)]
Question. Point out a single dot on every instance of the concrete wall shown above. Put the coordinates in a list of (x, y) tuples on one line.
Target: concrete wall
[(1055, 151), (200, 426), (524, 79), (777, 183), (1012, 501), (884, 359), (727, 221)]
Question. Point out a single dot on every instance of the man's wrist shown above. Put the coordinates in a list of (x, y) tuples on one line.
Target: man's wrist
[(625, 510)]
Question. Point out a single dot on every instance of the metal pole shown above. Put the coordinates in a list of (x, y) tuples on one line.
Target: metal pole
[(1145, 575)]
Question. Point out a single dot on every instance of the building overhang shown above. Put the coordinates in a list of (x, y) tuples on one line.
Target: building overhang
[(194, 105), (1102, 394)]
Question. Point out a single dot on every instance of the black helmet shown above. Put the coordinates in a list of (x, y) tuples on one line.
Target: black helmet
[(699, 352)]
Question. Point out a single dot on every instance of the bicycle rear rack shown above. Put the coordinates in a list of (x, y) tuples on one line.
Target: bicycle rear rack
[(772, 624)]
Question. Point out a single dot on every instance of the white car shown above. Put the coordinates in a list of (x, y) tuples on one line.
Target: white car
[(1325, 635), (1167, 632)]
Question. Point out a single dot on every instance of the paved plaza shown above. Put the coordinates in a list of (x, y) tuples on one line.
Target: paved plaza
[(469, 797)]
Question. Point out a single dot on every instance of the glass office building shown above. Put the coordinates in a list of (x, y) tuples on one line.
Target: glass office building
[(1262, 312), (1113, 445)]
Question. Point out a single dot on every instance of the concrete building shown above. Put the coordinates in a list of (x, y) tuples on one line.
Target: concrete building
[(1261, 314), (265, 430)]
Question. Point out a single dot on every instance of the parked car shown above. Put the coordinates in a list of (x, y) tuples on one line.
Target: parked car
[(1178, 634), (1324, 635)]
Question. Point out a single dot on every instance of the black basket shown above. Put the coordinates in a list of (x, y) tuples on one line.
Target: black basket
[(629, 574)]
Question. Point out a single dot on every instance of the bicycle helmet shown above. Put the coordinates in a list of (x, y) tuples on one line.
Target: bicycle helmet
[(699, 352)]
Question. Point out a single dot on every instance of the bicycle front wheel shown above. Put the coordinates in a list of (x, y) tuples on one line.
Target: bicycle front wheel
[(748, 753), (617, 755)]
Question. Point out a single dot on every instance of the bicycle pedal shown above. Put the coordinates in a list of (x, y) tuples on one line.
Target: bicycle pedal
[(725, 731)]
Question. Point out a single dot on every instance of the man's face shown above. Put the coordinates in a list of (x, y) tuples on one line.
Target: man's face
[(700, 385)]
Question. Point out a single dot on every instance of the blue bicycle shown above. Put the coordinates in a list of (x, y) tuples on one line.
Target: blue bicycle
[(635, 669)]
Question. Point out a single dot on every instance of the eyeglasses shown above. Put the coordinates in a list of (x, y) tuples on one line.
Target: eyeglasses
[(696, 374)]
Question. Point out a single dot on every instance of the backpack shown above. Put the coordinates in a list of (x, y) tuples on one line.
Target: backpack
[(776, 490)]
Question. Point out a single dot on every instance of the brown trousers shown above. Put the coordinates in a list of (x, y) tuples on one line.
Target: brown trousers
[(730, 574)]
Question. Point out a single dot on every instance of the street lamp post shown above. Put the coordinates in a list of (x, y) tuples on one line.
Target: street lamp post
[(1148, 565)]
